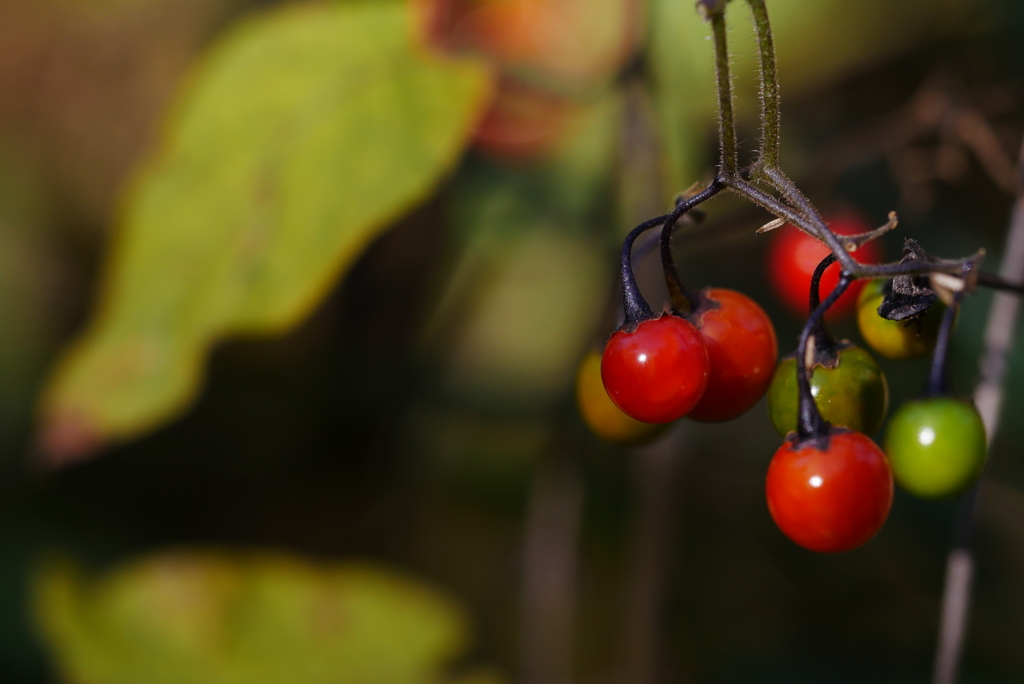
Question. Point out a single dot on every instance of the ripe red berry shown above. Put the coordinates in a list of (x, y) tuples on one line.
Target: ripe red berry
[(658, 372), (605, 419), (742, 350), (793, 255), (830, 499)]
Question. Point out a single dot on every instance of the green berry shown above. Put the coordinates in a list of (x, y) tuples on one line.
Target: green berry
[(936, 446), (853, 395)]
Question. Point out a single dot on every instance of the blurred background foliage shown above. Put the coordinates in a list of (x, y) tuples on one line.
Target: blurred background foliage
[(423, 202)]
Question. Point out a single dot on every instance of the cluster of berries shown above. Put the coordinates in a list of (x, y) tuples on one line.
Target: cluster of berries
[(829, 487)]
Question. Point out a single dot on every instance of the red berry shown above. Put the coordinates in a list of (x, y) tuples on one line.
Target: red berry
[(793, 255), (658, 372), (832, 499), (742, 350)]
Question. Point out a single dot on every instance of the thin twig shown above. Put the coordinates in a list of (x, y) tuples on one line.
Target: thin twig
[(550, 560), (988, 397), (657, 470)]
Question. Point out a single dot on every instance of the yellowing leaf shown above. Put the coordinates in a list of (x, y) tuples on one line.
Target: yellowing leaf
[(214, 617), (302, 134)]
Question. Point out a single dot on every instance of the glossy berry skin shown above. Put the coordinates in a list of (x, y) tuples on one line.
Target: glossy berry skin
[(603, 417), (742, 350), (936, 446), (793, 255), (896, 339), (853, 395), (658, 372), (830, 499)]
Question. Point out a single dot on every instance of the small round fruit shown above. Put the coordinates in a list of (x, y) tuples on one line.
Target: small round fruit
[(742, 350), (658, 372), (603, 417), (910, 339), (830, 499), (936, 446), (853, 395), (793, 255)]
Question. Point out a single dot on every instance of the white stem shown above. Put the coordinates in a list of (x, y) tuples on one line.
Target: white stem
[(988, 397)]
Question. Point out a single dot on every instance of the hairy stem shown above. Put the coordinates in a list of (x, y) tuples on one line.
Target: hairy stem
[(729, 162), (815, 222), (770, 119)]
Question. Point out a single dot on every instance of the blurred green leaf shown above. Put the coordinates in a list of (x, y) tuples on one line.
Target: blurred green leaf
[(302, 135), (531, 271), (212, 617), (30, 278)]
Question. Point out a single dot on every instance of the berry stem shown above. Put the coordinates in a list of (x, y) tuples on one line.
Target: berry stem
[(683, 300), (938, 376), (824, 346), (810, 425), (635, 307)]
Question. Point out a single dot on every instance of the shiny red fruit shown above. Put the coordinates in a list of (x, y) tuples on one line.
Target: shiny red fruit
[(793, 255), (742, 350), (833, 499), (658, 372)]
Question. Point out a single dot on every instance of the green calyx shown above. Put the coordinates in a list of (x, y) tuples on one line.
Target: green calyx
[(853, 394), (936, 446)]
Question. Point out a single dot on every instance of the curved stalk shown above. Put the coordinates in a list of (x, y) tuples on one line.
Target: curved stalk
[(683, 300), (634, 305), (810, 424), (938, 376), (824, 346)]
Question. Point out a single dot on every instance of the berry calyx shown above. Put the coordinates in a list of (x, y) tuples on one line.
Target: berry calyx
[(832, 494), (742, 350), (906, 339), (793, 255), (852, 392), (602, 416), (936, 446), (657, 372)]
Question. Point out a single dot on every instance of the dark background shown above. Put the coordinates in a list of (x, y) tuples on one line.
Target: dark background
[(342, 438)]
